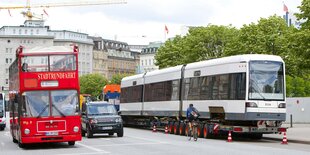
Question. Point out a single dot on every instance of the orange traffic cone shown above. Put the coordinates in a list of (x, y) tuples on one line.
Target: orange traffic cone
[(284, 141), (154, 128), (166, 129), (229, 139)]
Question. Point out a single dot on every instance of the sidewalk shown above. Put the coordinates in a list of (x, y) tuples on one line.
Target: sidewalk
[(299, 133)]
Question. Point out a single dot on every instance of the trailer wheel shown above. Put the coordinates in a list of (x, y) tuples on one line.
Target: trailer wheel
[(170, 128), (182, 129), (206, 133), (200, 130), (176, 128)]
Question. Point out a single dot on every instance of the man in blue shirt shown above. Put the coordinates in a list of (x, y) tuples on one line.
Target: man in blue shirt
[(191, 114)]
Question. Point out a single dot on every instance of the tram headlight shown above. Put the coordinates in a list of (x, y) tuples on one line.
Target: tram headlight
[(282, 105), (26, 131), (251, 104), (76, 129)]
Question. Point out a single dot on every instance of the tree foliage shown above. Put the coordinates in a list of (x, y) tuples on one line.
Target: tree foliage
[(297, 87), (304, 14), (200, 44), (92, 84), (267, 36), (117, 78)]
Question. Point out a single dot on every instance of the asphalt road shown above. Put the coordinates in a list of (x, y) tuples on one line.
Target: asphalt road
[(141, 142)]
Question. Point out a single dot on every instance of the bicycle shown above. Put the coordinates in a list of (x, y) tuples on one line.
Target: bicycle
[(193, 131)]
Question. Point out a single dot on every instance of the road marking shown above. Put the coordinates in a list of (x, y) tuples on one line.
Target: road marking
[(132, 144), (84, 153), (92, 148), (146, 139)]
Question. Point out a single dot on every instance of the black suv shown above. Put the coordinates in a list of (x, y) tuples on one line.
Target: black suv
[(101, 117)]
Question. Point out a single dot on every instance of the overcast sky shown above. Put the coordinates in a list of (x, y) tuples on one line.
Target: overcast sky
[(142, 21)]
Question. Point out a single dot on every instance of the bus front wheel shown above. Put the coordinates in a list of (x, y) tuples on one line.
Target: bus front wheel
[(71, 143)]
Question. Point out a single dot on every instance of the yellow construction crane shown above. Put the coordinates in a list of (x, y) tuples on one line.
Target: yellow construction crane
[(30, 15)]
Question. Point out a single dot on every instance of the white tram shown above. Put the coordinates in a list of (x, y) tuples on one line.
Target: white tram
[(236, 91)]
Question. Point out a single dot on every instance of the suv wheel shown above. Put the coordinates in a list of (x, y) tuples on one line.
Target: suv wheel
[(83, 133), (120, 133), (89, 133)]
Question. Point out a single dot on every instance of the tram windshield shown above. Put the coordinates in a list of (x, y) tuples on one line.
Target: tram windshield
[(266, 80)]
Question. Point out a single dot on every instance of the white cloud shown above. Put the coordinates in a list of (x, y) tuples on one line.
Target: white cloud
[(129, 22)]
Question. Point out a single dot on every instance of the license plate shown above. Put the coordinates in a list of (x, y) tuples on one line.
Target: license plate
[(51, 133), (106, 128)]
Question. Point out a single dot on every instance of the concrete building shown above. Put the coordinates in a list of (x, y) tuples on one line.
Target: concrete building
[(82, 40), (120, 59), (29, 35), (147, 57), (33, 33), (100, 57)]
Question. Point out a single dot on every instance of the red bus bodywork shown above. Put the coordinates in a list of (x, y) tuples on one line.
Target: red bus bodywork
[(54, 126)]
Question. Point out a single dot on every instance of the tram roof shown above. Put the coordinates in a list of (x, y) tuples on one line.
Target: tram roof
[(234, 59)]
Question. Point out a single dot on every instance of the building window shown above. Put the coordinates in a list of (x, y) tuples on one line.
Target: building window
[(37, 31), (6, 60), (25, 31), (6, 70), (19, 31), (6, 81), (14, 31)]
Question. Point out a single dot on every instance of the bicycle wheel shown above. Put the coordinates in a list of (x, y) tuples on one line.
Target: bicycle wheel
[(195, 133)]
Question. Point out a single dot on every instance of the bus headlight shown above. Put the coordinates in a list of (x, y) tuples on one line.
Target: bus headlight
[(26, 131), (76, 129)]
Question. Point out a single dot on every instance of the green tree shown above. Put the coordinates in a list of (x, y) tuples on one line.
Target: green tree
[(201, 43), (299, 50), (92, 84), (117, 78), (304, 14), (171, 53)]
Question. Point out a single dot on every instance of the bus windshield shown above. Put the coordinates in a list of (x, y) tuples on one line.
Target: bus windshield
[(50, 103), (266, 80), (48, 63)]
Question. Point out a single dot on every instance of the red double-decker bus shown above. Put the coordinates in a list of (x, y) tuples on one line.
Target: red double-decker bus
[(44, 95)]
